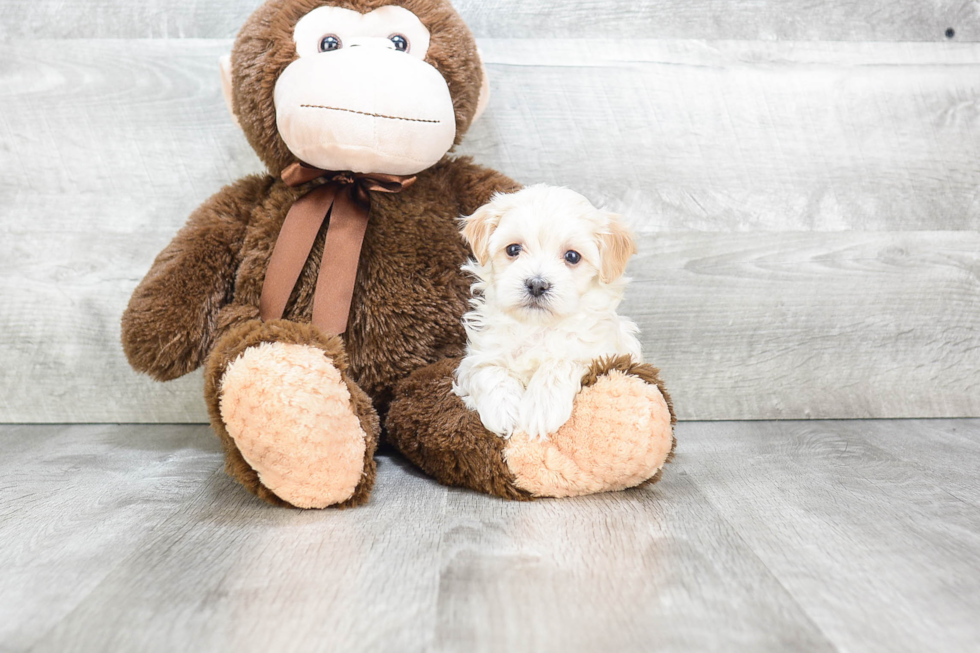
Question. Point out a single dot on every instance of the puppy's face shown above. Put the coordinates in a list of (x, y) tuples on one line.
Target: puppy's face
[(540, 250)]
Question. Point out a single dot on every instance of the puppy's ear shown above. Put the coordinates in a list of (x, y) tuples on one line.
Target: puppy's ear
[(616, 246), (478, 228)]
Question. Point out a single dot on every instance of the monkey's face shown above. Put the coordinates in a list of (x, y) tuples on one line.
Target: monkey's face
[(385, 86), (361, 96)]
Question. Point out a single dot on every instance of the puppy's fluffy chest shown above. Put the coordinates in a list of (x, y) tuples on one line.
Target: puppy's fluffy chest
[(522, 348)]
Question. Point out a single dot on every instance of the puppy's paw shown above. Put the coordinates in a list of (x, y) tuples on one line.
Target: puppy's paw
[(500, 410), (545, 410), (499, 420)]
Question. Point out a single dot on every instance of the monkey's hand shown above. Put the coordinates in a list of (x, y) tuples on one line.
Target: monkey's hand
[(168, 327)]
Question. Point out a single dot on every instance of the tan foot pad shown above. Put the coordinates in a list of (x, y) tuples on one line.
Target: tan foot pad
[(619, 435), (289, 411)]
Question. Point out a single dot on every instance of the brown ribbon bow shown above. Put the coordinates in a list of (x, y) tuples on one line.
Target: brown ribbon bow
[(346, 199)]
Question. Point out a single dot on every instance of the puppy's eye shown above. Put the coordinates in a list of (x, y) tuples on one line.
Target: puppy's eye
[(513, 250), (572, 257), (329, 43), (401, 42)]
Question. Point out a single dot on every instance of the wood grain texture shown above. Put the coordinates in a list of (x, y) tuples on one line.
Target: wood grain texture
[(744, 326), (762, 536), (235, 574), (925, 445), (711, 137), (865, 541), (657, 569), (769, 153), (801, 20), (832, 325), (75, 501), (744, 137)]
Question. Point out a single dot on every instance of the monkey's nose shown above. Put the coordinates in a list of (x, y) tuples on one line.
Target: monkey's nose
[(537, 286)]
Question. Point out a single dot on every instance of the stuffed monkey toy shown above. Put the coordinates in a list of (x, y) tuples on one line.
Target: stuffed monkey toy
[(324, 299)]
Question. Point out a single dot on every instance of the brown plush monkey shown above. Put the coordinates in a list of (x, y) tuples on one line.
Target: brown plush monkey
[(353, 106)]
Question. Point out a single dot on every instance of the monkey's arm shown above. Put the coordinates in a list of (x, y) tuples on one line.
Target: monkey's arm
[(475, 185), (168, 327)]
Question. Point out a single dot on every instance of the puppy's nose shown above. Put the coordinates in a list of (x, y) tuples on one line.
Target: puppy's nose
[(537, 286)]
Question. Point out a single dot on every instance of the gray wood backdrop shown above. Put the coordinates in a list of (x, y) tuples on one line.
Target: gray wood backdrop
[(804, 177)]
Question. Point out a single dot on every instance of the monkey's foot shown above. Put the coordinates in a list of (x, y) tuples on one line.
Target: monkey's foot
[(619, 436), (295, 428), (289, 412)]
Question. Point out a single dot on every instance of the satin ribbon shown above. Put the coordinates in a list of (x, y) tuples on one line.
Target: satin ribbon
[(346, 198)]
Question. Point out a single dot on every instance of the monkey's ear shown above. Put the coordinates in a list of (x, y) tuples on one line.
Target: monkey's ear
[(478, 228), (481, 104), (616, 246), (225, 63)]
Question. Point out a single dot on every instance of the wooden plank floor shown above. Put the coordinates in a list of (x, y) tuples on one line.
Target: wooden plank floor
[(763, 536)]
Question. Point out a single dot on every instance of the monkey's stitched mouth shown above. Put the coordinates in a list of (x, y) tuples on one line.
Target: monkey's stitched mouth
[(365, 113)]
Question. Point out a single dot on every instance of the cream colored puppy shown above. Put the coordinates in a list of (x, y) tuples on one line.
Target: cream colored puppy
[(549, 269)]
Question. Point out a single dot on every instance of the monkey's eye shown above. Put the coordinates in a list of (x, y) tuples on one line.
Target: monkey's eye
[(329, 43), (513, 250), (400, 41), (572, 257)]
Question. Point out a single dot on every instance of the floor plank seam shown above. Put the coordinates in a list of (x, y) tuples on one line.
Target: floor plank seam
[(755, 554), (135, 553)]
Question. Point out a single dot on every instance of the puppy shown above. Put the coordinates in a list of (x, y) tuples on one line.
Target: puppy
[(549, 275)]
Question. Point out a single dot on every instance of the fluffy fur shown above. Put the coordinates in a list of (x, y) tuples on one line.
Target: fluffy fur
[(251, 335), (619, 436), (198, 304), (277, 394), (613, 440), (549, 269), (265, 47)]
